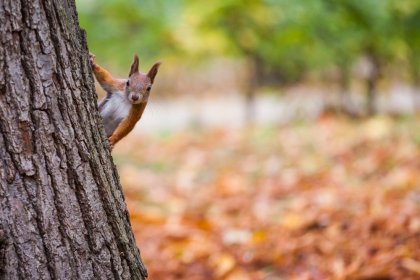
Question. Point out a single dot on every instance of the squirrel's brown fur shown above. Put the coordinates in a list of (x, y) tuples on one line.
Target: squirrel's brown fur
[(126, 98)]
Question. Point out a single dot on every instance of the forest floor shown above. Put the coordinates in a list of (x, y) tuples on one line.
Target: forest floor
[(328, 199)]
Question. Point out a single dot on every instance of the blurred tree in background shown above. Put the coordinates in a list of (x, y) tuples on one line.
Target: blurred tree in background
[(278, 42), (376, 39), (118, 29), (407, 15)]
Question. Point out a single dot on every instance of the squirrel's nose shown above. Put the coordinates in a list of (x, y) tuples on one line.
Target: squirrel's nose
[(135, 97)]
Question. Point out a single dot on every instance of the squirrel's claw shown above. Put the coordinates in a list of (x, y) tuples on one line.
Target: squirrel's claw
[(92, 58), (111, 141)]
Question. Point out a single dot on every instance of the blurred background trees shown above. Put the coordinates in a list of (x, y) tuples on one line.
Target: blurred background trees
[(351, 46)]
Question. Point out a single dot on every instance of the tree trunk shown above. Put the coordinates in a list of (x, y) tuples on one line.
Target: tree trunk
[(62, 210), (371, 96), (250, 90), (372, 84), (415, 77), (416, 95), (346, 105)]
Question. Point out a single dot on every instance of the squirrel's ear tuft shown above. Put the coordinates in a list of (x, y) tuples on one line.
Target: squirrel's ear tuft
[(134, 65), (153, 71)]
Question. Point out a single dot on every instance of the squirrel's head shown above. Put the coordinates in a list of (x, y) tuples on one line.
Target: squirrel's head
[(138, 85)]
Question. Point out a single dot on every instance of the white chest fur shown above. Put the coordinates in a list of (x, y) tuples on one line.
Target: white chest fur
[(114, 111)]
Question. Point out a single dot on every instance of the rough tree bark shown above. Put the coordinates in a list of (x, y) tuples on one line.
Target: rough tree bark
[(62, 211)]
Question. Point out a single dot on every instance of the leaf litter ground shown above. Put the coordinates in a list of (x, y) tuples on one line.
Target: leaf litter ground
[(331, 199)]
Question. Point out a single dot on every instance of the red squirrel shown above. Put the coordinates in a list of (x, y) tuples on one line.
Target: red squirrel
[(126, 99)]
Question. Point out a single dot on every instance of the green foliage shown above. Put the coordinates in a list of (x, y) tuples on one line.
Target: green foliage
[(287, 38), (407, 15), (118, 29)]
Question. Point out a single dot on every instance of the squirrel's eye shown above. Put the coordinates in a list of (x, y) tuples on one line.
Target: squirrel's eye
[(128, 83), (149, 88)]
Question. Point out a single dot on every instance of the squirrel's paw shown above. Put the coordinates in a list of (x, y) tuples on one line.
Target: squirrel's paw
[(111, 141), (92, 58)]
